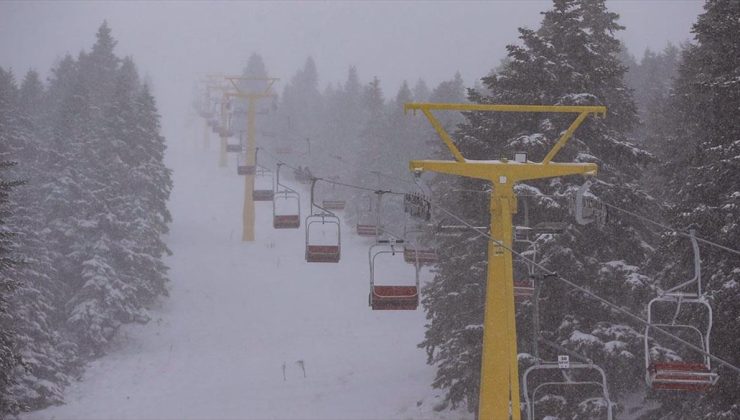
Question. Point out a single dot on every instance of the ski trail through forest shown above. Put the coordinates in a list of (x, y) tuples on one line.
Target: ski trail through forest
[(244, 320)]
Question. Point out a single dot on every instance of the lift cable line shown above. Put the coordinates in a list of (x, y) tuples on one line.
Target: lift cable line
[(554, 274), (483, 233)]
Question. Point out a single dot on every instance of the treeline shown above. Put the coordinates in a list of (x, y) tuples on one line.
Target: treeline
[(84, 191), (668, 149)]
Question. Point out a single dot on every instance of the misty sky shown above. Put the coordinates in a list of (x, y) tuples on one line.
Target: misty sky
[(172, 42)]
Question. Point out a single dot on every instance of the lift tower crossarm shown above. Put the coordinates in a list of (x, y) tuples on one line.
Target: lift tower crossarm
[(499, 384), (583, 111)]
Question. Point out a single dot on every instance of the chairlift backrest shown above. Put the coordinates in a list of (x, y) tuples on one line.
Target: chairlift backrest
[(682, 374), (530, 397)]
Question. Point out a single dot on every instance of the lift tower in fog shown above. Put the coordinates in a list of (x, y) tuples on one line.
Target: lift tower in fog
[(499, 383), (252, 96)]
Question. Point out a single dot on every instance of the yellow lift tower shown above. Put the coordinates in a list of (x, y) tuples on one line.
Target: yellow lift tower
[(249, 157), (499, 384)]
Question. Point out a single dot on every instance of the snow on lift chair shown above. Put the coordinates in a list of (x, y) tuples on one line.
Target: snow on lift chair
[(235, 147), (595, 375), (285, 196), (391, 297), (673, 310), (567, 369), (242, 166), (263, 178), (587, 208), (334, 204), (322, 222), (366, 227), (413, 254)]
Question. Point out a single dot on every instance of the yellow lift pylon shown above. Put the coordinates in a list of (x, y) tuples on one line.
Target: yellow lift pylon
[(252, 98), (499, 383)]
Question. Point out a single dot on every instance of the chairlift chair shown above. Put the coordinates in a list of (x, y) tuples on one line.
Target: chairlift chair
[(365, 225), (414, 254), (283, 150), (243, 167), (262, 193), (391, 297), (234, 148), (334, 204), (523, 282), (681, 374), (530, 398), (284, 195), (317, 222), (587, 208)]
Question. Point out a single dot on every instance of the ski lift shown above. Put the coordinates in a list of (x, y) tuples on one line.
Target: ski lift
[(334, 204), (366, 226), (413, 254), (320, 224), (523, 281), (263, 189), (391, 297), (243, 167), (673, 310), (567, 369), (283, 150), (417, 205), (285, 197), (234, 148), (587, 208)]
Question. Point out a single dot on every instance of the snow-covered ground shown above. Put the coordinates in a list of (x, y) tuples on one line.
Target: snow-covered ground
[(240, 312)]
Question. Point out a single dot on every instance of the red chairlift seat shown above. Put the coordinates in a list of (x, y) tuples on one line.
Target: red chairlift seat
[(288, 221), (333, 204), (423, 256), (523, 290), (681, 376), (322, 253), (234, 148), (391, 297), (394, 298), (243, 169), (263, 195), (366, 230)]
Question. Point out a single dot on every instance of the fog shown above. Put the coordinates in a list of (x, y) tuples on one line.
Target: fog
[(174, 42)]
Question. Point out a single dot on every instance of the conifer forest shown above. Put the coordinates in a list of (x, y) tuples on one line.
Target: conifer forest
[(370, 210)]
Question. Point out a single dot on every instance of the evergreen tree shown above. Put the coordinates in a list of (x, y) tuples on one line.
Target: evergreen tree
[(701, 184), (572, 59), (9, 355)]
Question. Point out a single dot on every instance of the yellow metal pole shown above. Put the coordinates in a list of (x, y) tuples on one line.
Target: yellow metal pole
[(248, 211), (499, 383), (221, 134)]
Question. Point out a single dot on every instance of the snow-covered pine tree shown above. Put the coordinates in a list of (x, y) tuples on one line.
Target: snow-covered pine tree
[(10, 358), (303, 104), (701, 183), (49, 358), (572, 59)]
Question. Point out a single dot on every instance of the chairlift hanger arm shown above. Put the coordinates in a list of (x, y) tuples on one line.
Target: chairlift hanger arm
[(270, 81)]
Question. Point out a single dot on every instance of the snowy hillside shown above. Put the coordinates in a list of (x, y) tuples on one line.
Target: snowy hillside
[(240, 311)]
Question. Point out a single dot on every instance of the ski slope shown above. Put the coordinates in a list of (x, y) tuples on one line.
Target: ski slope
[(239, 312)]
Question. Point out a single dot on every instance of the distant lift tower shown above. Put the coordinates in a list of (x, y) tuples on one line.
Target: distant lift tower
[(499, 386), (249, 157)]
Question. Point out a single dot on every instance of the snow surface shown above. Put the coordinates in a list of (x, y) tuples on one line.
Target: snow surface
[(239, 312)]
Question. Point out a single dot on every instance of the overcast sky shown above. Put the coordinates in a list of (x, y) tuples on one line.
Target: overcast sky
[(172, 42)]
